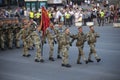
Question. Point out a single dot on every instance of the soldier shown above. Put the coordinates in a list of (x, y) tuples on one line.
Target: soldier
[(65, 47), (50, 32), (59, 33), (81, 38), (31, 28), (3, 34), (10, 38), (17, 27), (2, 38), (91, 38), (35, 36), (23, 34)]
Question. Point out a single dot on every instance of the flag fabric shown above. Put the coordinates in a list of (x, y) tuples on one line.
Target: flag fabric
[(45, 20)]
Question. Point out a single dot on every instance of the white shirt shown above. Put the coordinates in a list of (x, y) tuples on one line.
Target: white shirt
[(58, 14)]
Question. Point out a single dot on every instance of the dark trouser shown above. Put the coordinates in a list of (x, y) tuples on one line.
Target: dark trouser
[(71, 19), (98, 20), (67, 22), (85, 20), (102, 21)]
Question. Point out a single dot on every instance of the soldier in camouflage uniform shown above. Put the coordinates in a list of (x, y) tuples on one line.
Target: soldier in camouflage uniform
[(81, 38), (2, 37), (35, 36), (10, 38), (91, 38), (16, 29), (50, 32), (59, 33), (65, 47), (30, 41), (23, 34)]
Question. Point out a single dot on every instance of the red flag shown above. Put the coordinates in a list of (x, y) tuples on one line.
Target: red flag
[(45, 20)]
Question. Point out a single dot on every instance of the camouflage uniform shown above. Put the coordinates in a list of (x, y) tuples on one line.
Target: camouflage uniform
[(81, 38), (36, 39), (51, 37), (2, 38), (59, 33), (10, 38), (65, 48), (23, 34), (91, 38)]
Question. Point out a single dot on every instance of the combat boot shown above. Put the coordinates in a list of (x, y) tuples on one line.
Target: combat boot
[(89, 60), (59, 57), (42, 60), (51, 59), (78, 62), (36, 60), (28, 55), (68, 65), (63, 65), (86, 62), (98, 60)]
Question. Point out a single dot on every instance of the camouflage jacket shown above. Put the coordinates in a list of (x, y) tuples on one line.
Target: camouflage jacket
[(80, 37), (92, 37)]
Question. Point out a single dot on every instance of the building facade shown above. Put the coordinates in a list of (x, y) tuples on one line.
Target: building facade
[(35, 4), (9, 3)]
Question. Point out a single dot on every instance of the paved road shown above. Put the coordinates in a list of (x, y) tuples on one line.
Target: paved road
[(15, 67)]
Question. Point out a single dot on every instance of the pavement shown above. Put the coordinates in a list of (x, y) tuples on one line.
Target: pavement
[(15, 67)]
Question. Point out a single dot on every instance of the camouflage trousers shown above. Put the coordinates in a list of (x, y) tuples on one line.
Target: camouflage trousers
[(38, 52), (92, 51), (10, 43), (17, 41), (65, 55), (81, 54), (59, 48), (25, 48), (51, 44), (2, 42), (30, 43)]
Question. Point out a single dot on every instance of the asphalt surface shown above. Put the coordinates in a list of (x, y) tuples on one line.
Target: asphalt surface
[(15, 67)]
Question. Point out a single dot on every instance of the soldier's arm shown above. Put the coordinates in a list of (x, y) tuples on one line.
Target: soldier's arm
[(74, 37), (97, 35), (19, 33)]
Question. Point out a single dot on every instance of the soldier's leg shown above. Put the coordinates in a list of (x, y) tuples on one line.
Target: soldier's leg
[(25, 48), (31, 44), (94, 53), (63, 56), (51, 44), (90, 53), (10, 44), (59, 51), (17, 41), (17, 44), (83, 55), (66, 58), (2, 45), (79, 56), (38, 57)]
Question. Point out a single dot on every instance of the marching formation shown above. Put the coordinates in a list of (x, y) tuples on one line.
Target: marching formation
[(9, 29), (31, 37)]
